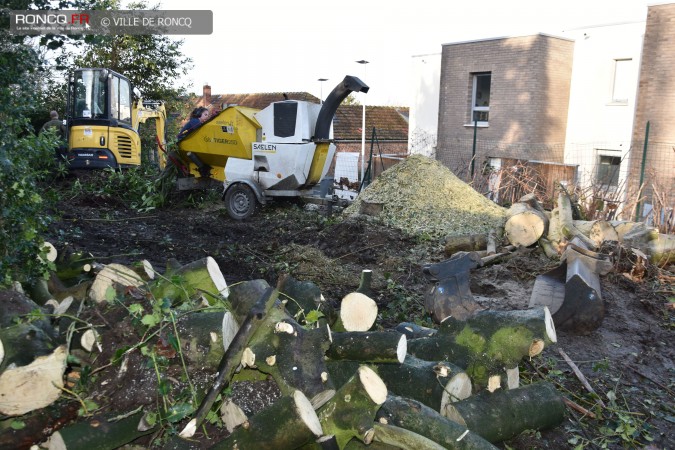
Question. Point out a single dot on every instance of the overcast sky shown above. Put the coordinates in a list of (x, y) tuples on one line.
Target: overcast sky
[(287, 45)]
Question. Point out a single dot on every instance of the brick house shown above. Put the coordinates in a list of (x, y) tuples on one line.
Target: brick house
[(656, 105), (391, 124), (575, 106)]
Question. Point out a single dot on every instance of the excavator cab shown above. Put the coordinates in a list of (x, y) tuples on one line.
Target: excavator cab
[(102, 120)]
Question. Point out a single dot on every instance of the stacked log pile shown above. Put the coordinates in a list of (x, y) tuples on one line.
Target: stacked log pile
[(528, 223), (343, 382)]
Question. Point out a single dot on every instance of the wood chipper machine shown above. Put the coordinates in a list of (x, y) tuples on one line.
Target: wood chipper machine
[(284, 150)]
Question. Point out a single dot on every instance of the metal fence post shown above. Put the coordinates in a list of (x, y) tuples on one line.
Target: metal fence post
[(473, 149), (642, 172)]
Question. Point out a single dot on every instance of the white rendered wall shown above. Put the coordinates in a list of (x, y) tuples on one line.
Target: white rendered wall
[(595, 124), (423, 124)]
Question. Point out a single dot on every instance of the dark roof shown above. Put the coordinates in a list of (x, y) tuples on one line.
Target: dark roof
[(257, 101), (391, 122)]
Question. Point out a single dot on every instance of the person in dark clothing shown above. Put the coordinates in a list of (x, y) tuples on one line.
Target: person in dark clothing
[(59, 128), (55, 124), (198, 117)]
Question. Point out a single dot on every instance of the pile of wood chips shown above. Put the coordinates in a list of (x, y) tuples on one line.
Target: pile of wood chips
[(420, 195)]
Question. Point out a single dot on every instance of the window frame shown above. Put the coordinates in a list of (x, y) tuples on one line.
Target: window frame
[(610, 176), (479, 109), (625, 73)]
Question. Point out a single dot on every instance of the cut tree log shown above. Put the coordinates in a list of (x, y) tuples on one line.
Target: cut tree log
[(289, 423), (244, 295), (525, 224), (351, 412), (202, 337), (504, 414), (465, 243), (301, 297), (488, 341), (27, 388), (658, 246), (368, 346), (598, 231), (293, 355), (402, 438), (232, 357), (567, 228), (414, 331), (358, 312), (199, 278), (98, 433), (419, 418), (431, 383), (112, 276), (550, 249)]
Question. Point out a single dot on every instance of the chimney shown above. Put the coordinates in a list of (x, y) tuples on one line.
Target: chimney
[(207, 94)]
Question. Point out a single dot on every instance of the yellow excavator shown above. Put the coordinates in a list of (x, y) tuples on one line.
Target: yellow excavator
[(103, 114)]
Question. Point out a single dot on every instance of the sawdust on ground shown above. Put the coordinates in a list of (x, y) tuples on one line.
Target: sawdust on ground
[(421, 196)]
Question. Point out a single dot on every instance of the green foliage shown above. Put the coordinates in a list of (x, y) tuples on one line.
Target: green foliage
[(403, 305), (616, 424), (351, 100), (137, 188), (25, 159)]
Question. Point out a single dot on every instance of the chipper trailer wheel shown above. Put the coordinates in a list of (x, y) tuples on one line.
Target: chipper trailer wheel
[(240, 201)]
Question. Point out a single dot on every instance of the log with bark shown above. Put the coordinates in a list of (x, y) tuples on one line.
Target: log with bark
[(301, 297), (202, 337), (567, 227), (598, 231), (465, 243), (98, 433), (658, 246), (232, 357), (502, 415), (526, 222), (414, 331), (368, 346), (488, 342), (293, 355), (419, 418), (289, 423), (201, 278), (113, 276), (351, 412), (402, 438), (432, 383)]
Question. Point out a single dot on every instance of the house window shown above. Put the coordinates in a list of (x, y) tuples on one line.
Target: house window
[(608, 170), (480, 101), (622, 86)]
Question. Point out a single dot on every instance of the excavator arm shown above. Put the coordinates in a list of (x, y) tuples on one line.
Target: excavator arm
[(152, 109)]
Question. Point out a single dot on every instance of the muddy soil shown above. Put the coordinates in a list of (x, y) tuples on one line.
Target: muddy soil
[(628, 360)]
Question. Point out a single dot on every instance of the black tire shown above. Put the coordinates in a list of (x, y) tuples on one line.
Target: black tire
[(240, 201)]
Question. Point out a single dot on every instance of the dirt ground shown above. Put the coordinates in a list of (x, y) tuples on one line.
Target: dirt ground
[(629, 360)]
